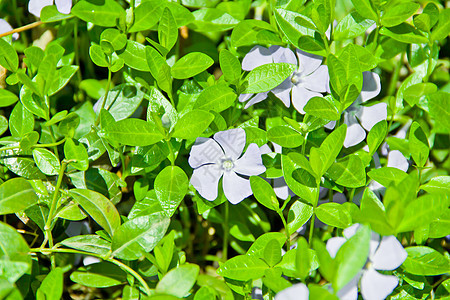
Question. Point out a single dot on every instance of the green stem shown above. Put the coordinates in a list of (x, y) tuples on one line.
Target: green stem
[(430, 63), (105, 98), (288, 236), (225, 231), (77, 52), (36, 146), (111, 260), (393, 82), (171, 153), (313, 217)]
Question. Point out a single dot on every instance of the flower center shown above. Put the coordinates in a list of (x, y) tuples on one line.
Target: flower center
[(296, 78), (227, 164)]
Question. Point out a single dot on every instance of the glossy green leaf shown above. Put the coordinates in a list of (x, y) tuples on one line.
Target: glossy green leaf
[(425, 261), (348, 172), (352, 25), (21, 121), (167, 30), (437, 184), (322, 108), (7, 98), (114, 37), (190, 65), (46, 161), (439, 105), (404, 33), (132, 132), (443, 26), (257, 248), (171, 185), (376, 136), (192, 124), (99, 12), (334, 214), (89, 243), (365, 9), (51, 287), (16, 195), (272, 253), (285, 136), (8, 56), (134, 56), (159, 69), (397, 13), (230, 66), (99, 275), (69, 124), (147, 15), (243, 268), (78, 153), (139, 235), (418, 144), (299, 214), (217, 98), (266, 77), (98, 207), (179, 281), (264, 193)]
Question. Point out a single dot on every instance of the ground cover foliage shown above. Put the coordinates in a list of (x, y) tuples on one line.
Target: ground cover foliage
[(269, 149)]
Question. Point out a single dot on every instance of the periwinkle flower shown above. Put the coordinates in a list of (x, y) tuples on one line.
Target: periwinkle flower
[(368, 116), (385, 253), (5, 27), (298, 291), (309, 80), (35, 6), (220, 156)]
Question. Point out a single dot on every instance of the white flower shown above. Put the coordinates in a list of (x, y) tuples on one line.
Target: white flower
[(212, 158), (5, 27), (310, 79), (387, 254), (35, 6), (298, 291), (368, 116)]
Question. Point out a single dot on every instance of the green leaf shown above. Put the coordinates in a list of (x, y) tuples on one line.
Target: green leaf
[(134, 56), (191, 64), (373, 212), (217, 98), (438, 184), (16, 195), (289, 166), (167, 30), (418, 144), (349, 172), (15, 259), (299, 214), (159, 69), (425, 261), (123, 100), (422, 211), (132, 132), (250, 32), (257, 248), (264, 193), (376, 136), (147, 14), (3, 124), (404, 33), (243, 268), (7, 98), (285, 136), (365, 9), (212, 19), (387, 175), (322, 108), (230, 66), (272, 252), (89, 242), (117, 39), (192, 124), (266, 77), (8, 56), (69, 124), (78, 153), (327, 266), (139, 235), (397, 13), (21, 121), (415, 92), (98, 207), (62, 77), (351, 257), (171, 186), (99, 275), (334, 214), (46, 161), (52, 286), (439, 105), (302, 258), (99, 12), (351, 26), (294, 25), (442, 29), (179, 281), (97, 55)]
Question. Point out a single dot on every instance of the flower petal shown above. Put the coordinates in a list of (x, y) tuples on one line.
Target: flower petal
[(235, 187), (265, 149), (251, 162), (298, 291), (334, 244), (35, 6), (258, 98), (317, 81), (5, 27), (350, 231), (206, 179), (371, 86), (375, 286), (245, 97), (350, 290), (355, 135), (205, 151), (330, 125), (397, 160), (308, 62), (389, 255), (371, 115), (232, 142), (63, 6), (300, 97), (283, 55), (258, 56), (283, 92), (281, 188)]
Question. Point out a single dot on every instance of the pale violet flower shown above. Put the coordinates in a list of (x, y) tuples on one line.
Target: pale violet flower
[(385, 253), (5, 27), (35, 6), (220, 156), (367, 116), (309, 80), (298, 291)]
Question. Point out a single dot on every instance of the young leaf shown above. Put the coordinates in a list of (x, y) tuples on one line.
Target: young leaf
[(217, 98), (179, 281), (167, 30), (376, 136), (264, 193), (230, 66), (132, 132), (171, 186), (243, 268), (52, 286), (418, 144), (100, 275), (425, 261), (266, 77), (334, 214), (21, 121), (102, 13), (299, 214), (349, 172), (89, 243), (192, 124), (7, 98), (8, 56), (16, 195), (285, 136), (397, 13), (46, 161), (77, 153), (272, 253), (191, 64), (365, 9)]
